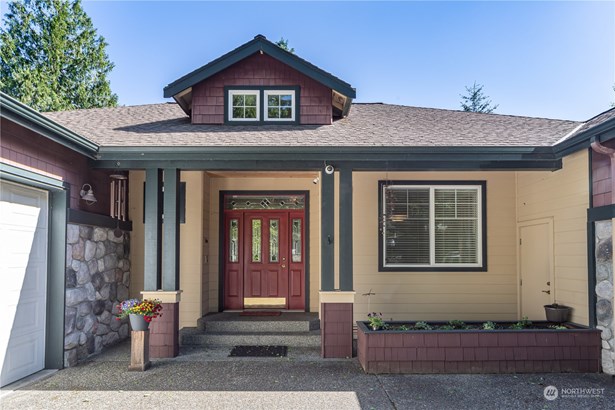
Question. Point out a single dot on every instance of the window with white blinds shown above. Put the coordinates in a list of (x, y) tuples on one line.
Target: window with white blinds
[(432, 226)]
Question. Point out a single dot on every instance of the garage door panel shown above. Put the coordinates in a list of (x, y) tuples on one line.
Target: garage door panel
[(23, 280)]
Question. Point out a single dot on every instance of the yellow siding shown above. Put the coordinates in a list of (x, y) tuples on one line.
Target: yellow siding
[(564, 196), (438, 295), (242, 183), (191, 251)]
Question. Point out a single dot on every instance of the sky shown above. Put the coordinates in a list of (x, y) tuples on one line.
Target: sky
[(542, 59)]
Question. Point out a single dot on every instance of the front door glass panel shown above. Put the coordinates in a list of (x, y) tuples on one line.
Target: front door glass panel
[(256, 240), (274, 234), (233, 251), (296, 240)]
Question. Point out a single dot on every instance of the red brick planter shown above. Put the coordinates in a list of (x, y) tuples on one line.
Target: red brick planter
[(479, 351)]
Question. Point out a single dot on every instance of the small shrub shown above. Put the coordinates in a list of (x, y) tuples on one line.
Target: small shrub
[(522, 324), (489, 325), (558, 327), (422, 326), (457, 324), (403, 327), (446, 327)]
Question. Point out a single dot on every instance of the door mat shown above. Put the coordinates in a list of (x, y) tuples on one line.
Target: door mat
[(260, 313), (259, 351)]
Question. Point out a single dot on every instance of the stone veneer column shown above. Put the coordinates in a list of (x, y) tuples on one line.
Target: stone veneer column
[(604, 292), (97, 278), (164, 331), (336, 319)]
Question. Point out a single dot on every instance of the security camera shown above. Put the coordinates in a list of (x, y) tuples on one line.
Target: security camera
[(329, 169)]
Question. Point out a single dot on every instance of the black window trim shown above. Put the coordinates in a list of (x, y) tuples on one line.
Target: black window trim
[(261, 116), (482, 268)]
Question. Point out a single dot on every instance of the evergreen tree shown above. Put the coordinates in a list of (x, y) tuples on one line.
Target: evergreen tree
[(476, 101), (284, 45), (51, 57)]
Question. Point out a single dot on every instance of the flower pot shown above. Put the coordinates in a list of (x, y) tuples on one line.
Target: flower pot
[(557, 313), (138, 322)]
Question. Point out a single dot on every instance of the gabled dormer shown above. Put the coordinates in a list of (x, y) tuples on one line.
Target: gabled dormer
[(260, 83)]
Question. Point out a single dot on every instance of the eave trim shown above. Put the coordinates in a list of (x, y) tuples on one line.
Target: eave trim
[(27, 117)]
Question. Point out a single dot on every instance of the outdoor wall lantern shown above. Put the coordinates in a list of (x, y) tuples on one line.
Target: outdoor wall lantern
[(87, 194)]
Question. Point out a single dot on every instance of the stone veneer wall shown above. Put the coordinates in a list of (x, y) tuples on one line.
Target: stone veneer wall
[(604, 293), (97, 279)]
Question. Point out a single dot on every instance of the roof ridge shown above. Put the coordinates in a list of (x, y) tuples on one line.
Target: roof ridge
[(468, 112), (118, 107)]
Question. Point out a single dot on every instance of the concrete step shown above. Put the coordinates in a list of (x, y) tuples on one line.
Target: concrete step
[(196, 337), (234, 323)]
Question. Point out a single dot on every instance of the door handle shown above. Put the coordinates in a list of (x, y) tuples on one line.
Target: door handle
[(548, 292)]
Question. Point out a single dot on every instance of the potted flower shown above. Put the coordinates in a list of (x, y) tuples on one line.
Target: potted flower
[(557, 313), (140, 312), (375, 320)]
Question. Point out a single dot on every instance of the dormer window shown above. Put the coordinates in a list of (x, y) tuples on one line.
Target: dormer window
[(254, 105), (280, 105), (244, 105)]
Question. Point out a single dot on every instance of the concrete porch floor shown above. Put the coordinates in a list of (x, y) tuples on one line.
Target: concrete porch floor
[(206, 378)]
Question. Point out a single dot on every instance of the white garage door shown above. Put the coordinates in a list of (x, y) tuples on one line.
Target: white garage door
[(23, 280)]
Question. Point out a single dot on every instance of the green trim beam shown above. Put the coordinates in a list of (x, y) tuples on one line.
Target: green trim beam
[(153, 230), (345, 216), (327, 231), (170, 235)]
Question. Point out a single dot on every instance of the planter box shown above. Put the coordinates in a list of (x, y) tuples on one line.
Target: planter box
[(479, 351)]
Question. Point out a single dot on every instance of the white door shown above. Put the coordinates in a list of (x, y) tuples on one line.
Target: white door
[(536, 262), (23, 280)]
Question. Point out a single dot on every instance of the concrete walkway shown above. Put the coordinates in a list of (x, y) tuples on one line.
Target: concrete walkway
[(208, 379)]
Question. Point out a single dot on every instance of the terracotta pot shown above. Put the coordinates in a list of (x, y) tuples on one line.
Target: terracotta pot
[(138, 322)]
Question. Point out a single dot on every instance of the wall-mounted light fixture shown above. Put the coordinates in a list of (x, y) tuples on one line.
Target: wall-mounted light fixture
[(87, 194), (329, 169)]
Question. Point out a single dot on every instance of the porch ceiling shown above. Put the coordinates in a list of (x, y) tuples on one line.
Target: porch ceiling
[(261, 174)]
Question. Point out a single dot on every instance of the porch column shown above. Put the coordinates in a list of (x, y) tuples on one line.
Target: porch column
[(164, 331), (346, 230), (336, 307), (327, 229), (153, 230)]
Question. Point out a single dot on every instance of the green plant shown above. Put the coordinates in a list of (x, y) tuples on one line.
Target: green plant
[(558, 327), (375, 320), (403, 327), (457, 324), (489, 325), (422, 326), (522, 324), (446, 327), (148, 308)]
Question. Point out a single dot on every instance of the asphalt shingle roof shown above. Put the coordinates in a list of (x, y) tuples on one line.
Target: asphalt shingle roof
[(367, 125)]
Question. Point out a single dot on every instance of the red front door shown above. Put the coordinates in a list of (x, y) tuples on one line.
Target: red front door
[(264, 259)]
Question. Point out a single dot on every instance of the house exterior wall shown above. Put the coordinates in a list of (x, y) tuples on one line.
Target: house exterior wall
[(260, 70), (191, 239), (21, 147), (562, 195), (240, 183), (601, 180), (490, 295)]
